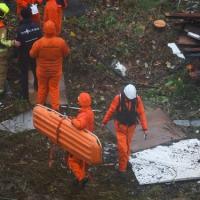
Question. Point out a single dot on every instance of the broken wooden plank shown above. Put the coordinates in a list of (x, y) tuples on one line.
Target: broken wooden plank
[(194, 55), (184, 15), (190, 49), (185, 40), (193, 35), (192, 28)]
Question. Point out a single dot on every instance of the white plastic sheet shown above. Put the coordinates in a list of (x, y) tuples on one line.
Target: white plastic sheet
[(177, 162), (176, 50), (19, 123)]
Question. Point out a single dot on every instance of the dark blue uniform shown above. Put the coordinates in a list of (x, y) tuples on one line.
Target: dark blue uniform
[(27, 33)]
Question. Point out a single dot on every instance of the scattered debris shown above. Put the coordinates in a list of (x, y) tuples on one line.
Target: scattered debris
[(169, 65), (119, 68), (194, 69), (176, 50), (187, 123), (189, 39), (193, 35), (182, 122)]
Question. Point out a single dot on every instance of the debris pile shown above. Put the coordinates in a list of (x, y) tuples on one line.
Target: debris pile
[(189, 40)]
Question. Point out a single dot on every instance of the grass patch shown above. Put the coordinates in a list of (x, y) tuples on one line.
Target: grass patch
[(178, 92), (146, 4)]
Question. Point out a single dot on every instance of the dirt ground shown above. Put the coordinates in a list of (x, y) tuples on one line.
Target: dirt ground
[(96, 39)]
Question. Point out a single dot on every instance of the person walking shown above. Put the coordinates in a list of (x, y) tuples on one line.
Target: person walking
[(27, 33), (49, 52), (129, 110), (84, 120)]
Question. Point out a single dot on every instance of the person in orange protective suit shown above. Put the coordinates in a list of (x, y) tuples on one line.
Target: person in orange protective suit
[(53, 12), (62, 4), (128, 108), (33, 5), (49, 52), (84, 120)]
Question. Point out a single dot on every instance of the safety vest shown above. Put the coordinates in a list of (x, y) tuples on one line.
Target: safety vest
[(125, 115)]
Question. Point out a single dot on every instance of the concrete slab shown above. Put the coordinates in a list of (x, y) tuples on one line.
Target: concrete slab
[(23, 122), (161, 130), (19, 123), (178, 162)]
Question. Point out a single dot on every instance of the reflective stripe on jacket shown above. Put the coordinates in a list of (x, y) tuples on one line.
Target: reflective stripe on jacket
[(4, 43)]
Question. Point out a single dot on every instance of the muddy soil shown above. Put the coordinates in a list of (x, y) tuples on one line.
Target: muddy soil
[(95, 43)]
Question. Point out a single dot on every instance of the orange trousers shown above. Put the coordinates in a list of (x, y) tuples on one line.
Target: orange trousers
[(78, 167), (124, 136), (49, 84)]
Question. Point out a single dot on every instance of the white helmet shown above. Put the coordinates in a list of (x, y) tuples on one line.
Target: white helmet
[(130, 91)]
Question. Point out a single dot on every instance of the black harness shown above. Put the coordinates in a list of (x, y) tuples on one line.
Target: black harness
[(124, 115)]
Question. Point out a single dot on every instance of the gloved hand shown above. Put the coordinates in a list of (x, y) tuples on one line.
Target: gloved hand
[(145, 134), (76, 123), (16, 43)]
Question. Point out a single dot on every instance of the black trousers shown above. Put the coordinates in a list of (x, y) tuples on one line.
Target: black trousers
[(26, 63)]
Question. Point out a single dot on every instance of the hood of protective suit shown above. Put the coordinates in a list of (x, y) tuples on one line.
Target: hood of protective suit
[(84, 99), (49, 29)]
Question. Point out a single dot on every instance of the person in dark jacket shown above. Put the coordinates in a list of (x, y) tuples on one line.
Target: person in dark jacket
[(28, 32)]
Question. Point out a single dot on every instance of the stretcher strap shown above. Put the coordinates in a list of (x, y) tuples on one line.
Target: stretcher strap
[(58, 130)]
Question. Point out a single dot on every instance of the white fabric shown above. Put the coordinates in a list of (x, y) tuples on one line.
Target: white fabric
[(176, 50), (34, 9)]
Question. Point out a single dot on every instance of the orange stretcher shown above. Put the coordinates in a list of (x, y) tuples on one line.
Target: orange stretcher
[(58, 128)]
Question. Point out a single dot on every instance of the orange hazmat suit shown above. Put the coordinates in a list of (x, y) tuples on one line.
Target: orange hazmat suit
[(61, 6), (49, 52), (52, 11), (125, 133), (84, 120)]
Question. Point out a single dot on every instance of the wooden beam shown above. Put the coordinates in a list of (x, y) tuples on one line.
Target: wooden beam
[(185, 40), (190, 49), (183, 15)]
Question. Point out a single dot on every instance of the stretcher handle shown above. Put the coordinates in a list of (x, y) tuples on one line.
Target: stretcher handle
[(58, 129)]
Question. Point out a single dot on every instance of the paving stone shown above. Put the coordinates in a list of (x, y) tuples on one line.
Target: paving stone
[(161, 130)]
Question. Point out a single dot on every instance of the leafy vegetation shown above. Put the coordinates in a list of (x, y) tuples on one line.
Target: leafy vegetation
[(177, 92)]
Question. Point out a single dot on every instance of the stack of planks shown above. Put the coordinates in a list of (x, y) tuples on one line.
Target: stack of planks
[(189, 40)]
